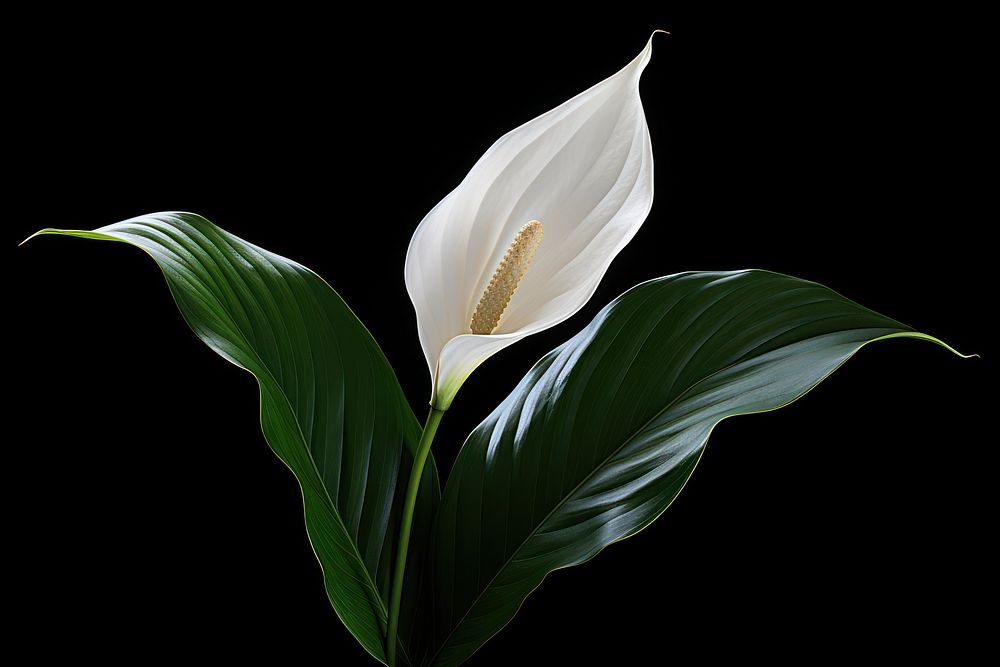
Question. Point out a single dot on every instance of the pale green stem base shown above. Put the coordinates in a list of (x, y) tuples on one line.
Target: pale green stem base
[(416, 473)]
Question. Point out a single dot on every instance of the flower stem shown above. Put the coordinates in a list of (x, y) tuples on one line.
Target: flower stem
[(416, 472)]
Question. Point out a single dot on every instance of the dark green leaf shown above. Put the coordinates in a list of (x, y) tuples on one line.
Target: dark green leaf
[(330, 408), (601, 435)]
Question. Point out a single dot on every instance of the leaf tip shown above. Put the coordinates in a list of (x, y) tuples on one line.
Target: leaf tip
[(954, 351), (47, 230), (932, 339)]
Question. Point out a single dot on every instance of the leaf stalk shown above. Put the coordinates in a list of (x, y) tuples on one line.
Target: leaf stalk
[(412, 488)]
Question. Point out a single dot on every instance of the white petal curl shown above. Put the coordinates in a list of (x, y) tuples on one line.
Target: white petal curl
[(585, 170)]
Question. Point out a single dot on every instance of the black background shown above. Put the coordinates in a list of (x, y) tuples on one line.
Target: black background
[(148, 513)]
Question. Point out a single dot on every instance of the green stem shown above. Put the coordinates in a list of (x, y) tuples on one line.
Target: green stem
[(416, 472)]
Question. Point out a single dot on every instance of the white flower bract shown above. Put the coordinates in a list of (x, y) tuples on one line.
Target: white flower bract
[(585, 170)]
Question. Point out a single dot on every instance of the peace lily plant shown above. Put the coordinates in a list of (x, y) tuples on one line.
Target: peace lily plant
[(592, 444)]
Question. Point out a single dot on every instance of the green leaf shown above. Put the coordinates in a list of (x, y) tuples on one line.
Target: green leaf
[(330, 405), (601, 435)]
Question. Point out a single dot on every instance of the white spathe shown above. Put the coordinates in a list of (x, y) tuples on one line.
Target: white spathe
[(585, 170)]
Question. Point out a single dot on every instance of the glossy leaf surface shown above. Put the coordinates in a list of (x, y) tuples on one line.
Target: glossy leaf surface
[(330, 407), (602, 434)]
